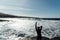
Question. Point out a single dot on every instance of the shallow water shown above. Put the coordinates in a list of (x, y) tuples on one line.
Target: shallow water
[(9, 30)]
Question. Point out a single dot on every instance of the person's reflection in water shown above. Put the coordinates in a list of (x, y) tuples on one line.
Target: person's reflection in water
[(38, 30)]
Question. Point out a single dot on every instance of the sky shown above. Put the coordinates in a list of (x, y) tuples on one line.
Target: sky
[(34, 8)]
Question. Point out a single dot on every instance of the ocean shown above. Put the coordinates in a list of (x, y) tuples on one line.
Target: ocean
[(9, 30)]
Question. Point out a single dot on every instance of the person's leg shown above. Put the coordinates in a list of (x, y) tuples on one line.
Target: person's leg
[(40, 38), (37, 37)]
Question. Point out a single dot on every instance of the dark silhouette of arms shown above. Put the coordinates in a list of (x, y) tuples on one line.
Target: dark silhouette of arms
[(41, 27), (36, 26)]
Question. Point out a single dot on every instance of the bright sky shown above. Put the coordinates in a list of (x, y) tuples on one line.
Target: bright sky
[(37, 8)]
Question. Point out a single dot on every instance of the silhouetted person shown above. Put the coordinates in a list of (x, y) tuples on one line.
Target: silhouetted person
[(38, 30)]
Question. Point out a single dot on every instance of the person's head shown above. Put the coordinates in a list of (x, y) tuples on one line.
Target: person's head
[(39, 28)]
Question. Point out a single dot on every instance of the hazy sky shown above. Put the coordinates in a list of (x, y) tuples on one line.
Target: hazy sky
[(39, 8)]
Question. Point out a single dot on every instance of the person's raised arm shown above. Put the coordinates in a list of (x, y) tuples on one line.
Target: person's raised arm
[(36, 26), (41, 27)]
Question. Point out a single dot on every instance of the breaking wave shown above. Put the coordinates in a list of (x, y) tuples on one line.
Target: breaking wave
[(25, 28)]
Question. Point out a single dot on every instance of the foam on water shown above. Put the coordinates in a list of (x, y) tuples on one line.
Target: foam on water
[(25, 28)]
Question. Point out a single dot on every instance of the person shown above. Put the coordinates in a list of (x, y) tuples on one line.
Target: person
[(38, 30)]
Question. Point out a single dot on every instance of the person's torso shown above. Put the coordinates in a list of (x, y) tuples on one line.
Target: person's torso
[(39, 32)]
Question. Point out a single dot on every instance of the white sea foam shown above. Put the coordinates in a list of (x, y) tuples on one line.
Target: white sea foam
[(10, 30)]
